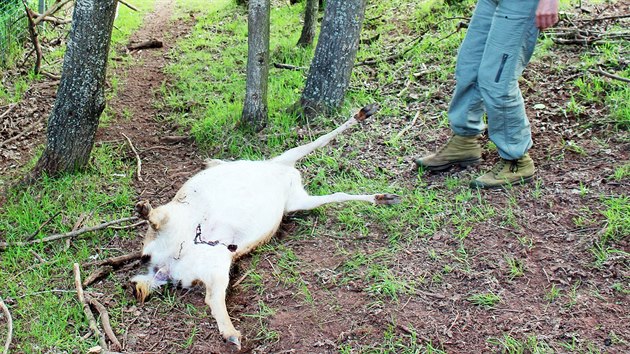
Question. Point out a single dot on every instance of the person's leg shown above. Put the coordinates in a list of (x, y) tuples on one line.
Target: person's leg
[(466, 108), (509, 47)]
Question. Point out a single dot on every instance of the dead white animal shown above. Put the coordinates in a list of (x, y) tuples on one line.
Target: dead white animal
[(224, 212)]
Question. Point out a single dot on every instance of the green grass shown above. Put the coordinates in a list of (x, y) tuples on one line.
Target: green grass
[(47, 313), (41, 293), (437, 225)]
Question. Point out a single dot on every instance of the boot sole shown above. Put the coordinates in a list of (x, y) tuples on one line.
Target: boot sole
[(476, 185), (445, 167)]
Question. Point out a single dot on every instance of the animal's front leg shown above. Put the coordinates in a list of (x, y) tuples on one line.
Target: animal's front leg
[(215, 298)]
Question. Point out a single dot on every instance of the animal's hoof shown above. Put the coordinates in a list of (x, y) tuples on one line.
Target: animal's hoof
[(387, 199), (366, 111), (141, 291), (234, 340), (143, 209)]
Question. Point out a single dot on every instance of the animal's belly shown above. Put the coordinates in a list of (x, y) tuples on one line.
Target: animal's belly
[(248, 199)]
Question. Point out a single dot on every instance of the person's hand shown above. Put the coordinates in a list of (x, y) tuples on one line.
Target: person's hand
[(546, 13)]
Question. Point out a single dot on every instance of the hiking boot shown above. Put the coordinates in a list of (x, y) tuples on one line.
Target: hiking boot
[(459, 150), (506, 173)]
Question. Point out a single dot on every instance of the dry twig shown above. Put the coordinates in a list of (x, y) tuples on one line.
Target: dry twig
[(107, 328), (34, 38), (413, 122), (97, 274), (5, 309), (86, 307), (54, 8), (116, 261), (11, 107), (138, 160), (599, 71), (34, 234), (128, 5), (5, 245), (151, 43)]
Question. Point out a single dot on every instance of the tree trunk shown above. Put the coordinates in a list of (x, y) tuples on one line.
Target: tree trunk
[(310, 23), (80, 97), (255, 106), (336, 51)]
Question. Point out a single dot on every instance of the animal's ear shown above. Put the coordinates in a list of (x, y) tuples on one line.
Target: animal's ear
[(157, 217)]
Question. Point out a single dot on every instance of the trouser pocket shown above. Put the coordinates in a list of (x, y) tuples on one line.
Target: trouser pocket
[(501, 66)]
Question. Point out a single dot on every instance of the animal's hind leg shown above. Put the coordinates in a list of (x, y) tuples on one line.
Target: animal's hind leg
[(303, 201), (290, 157)]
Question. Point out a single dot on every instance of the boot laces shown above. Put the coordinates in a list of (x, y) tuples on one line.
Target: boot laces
[(498, 167), (514, 166)]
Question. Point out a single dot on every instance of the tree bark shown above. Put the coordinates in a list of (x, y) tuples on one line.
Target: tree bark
[(336, 51), (255, 106), (80, 97), (310, 23)]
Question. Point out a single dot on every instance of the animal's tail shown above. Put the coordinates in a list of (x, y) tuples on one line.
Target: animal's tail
[(290, 157)]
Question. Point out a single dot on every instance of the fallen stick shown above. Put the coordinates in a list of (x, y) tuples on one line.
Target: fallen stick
[(34, 234), (609, 75), (34, 38), (56, 6), (11, 107), (97, 274), (5, 245), (86, 308), (116, 261), (151, 43), (129, 226), (5, 309), (413, 122), (107, 328), (128, 5), (138, 160), (288, 66), (26, 131)]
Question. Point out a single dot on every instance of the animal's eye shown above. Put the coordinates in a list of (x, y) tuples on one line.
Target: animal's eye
[(146, 258)]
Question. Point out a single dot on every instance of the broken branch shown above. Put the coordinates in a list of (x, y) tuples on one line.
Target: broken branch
[(129, 5), (5, 245), (116, 261), (151, 43), (107, 328), (599, 71), (34, 38), (5, 309), (56, 6), (288, 66), (86, 308), (138, 160), (96, 275)]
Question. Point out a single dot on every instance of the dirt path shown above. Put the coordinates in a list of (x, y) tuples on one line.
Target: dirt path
[(165, 164)]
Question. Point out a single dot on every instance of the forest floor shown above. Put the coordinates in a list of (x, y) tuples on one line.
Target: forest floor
[(528, 271)]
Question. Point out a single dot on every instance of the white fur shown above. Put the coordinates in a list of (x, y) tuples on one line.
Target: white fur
[(235, 203)]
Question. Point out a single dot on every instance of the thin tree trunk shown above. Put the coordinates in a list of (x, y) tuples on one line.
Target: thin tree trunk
[(331, 69), (255, 105), (80, 97), (310, 23)]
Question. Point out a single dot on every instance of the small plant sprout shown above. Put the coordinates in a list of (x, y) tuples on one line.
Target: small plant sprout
[(488, 300), (516, 267), (553, 293)]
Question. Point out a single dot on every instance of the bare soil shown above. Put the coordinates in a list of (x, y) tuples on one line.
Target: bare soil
[(439, 313)]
